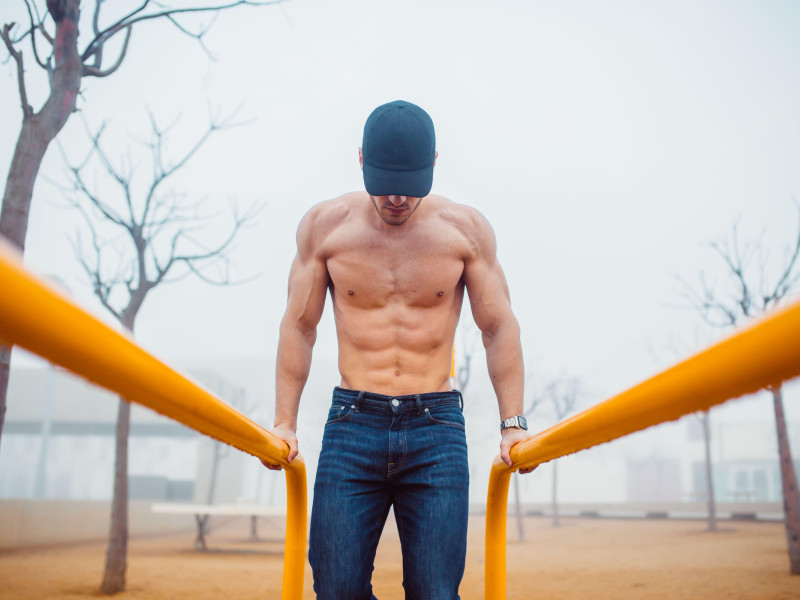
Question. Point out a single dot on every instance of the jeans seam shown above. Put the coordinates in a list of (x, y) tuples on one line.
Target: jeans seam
[(399, 465), (434, 421), (344, 412)]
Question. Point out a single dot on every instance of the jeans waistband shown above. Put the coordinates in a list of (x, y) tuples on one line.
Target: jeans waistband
[(411, 402)]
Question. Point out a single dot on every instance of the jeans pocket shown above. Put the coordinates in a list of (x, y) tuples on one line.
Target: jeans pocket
[(337, 413), (445, 415)]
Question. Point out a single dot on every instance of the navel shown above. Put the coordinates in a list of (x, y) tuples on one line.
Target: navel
[(397, 373)]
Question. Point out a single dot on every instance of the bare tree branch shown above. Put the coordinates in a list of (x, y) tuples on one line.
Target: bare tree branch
[(218, 252), (40, 25), (32, 31), (562, 392), (786, 281), (95, 71), (80, 185), (102, 289), (197, 36), (27, 109), (96, 27), (164, 216), (733, 258), (705, 303), (98, 149), (101, 38), (96, 45), (161, 172), (748, 298)]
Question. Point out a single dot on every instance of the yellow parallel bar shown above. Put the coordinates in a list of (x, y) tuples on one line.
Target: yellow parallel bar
[(764, 354), (42, 320), (495, 544)]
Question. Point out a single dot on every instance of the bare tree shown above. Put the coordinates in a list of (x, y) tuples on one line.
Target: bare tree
[(138, 242), (704, 417), (68, 59), (705, 420), (562, 394), (749, 294)]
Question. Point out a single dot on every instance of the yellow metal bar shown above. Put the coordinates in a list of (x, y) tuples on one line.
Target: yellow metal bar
[(495, 544), (42, 320), (762, 355)]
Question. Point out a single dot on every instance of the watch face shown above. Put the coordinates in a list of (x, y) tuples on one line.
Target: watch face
[(518, 421)]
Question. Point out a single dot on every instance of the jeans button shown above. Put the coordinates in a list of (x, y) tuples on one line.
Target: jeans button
[(395, 402)]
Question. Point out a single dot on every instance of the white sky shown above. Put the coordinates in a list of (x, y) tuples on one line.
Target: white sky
[(607, 143)]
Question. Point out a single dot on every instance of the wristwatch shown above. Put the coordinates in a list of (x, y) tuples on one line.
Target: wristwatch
[(517, 421)]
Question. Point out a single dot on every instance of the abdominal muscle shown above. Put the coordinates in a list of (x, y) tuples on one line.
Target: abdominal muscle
[(396, 350)]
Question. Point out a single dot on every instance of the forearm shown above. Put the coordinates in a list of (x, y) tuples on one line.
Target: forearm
[(291, 373), (506, 367)]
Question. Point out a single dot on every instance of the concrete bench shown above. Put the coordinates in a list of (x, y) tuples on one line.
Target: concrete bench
[(202, 512)]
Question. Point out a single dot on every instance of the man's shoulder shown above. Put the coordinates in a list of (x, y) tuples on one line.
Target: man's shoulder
[(331, 212), (466, 218), (328, 214), (326, 217)]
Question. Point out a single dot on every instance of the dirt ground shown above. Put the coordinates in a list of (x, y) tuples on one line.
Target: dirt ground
[(595, 559)]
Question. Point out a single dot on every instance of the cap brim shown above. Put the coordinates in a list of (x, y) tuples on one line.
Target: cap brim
[(380, 182)]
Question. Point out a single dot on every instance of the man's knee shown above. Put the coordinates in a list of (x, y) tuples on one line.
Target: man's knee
[(341, 586), (434, 588)]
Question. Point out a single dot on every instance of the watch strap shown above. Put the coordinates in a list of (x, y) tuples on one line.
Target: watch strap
[(517, 421)]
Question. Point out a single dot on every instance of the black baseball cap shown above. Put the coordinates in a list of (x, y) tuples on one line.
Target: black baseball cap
[(399, 149)]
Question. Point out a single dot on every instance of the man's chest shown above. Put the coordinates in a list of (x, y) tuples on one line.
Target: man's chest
[(417, 271)]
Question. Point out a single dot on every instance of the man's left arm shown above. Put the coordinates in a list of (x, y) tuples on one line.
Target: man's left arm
[(491, 309)]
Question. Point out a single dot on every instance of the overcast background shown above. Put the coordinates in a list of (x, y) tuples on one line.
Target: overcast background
[(607, 142)]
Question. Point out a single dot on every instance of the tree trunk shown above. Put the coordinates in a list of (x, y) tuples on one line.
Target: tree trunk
[(212, 484), (28, 157), (712, 504), (117, 552), (5, 364), (791, 495), (554, 503), (520, 526), (35, 136)]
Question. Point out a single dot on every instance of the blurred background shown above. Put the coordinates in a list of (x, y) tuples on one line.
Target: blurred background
[(609, 145)]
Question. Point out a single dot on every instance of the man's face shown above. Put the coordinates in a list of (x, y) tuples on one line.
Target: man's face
[(395, 210)]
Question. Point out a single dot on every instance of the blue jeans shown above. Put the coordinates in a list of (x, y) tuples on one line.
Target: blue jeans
[(379, 451)]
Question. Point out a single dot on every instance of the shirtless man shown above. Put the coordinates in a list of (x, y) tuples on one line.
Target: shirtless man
[(396, 261)]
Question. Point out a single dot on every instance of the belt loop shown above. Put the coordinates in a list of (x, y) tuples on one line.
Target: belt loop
[(419, 405), (460, 400), (358, 401)]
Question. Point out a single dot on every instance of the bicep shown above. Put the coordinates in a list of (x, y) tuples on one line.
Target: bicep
[(308, 280), (486, 283), (308, 285), (488, 294)]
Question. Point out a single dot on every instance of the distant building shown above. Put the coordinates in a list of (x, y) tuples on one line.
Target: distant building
[(59, 443), (744, 458)]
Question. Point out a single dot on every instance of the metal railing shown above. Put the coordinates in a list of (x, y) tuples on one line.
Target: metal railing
[(760, 356), (41, 320)]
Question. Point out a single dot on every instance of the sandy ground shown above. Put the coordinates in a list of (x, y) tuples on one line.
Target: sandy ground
[(596, 559)]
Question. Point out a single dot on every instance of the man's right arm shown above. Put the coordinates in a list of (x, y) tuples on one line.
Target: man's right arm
[(308, 285)]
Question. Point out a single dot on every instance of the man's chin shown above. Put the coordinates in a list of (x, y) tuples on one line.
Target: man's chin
[(395, 221)]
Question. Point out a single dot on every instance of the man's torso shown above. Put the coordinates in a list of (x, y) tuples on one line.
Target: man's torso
[(396, 291)]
